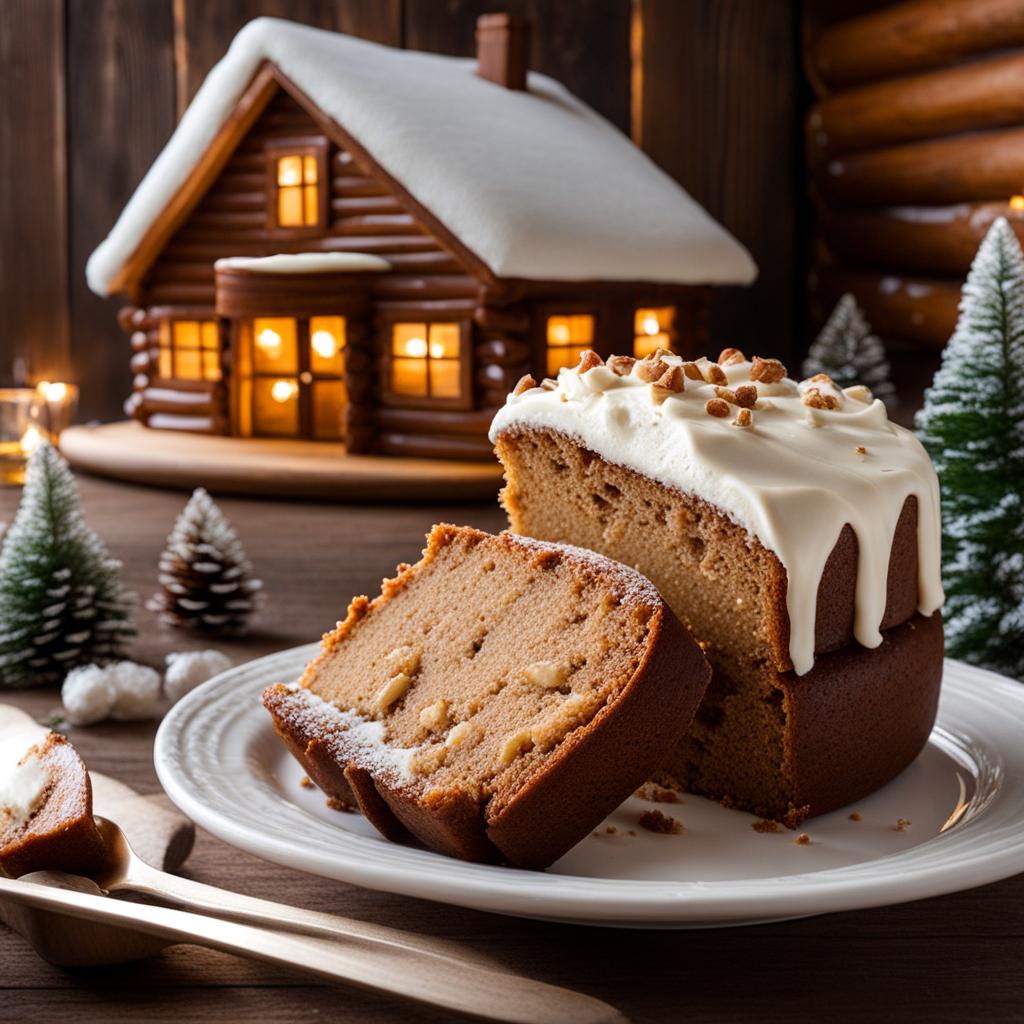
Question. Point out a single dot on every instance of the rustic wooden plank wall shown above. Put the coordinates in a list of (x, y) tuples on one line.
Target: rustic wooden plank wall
[(90, 91)]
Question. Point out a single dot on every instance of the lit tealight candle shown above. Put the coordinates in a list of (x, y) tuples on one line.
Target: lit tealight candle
[(1017, 202), (59, 403)]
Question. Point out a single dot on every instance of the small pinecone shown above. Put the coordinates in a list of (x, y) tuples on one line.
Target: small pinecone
[(205, 578)]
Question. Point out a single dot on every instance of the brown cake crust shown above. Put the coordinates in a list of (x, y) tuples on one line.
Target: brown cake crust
[(850, 725), (525, 452), (531, 821), (61, 835)]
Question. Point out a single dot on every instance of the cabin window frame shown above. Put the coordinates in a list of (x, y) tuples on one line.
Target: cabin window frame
[(167, 341), (571, 307), (657, 305), (305, 376), (385, 331), (301, 146)]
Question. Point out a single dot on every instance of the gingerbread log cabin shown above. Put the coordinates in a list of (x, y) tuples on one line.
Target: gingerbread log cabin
[(344, 241)]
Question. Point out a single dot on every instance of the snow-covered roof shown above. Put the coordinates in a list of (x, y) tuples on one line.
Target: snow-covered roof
[(306, 263), (534, 182)]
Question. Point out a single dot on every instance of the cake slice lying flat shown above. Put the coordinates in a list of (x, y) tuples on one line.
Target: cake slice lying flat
[(497, 700), (46, 818)]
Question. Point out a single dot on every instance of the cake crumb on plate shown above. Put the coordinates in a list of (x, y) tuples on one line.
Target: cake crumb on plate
[(766, 825), (655, 794), (655, 821)]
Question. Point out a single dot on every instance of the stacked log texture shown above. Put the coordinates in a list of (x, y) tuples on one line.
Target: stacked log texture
[(915, 145)]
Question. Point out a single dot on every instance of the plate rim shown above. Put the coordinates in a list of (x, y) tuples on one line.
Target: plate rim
[(624, 902)]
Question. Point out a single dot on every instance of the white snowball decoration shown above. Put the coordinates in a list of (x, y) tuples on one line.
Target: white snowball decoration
[(187, 669), (138, 691), (122, 690), (88, 694)]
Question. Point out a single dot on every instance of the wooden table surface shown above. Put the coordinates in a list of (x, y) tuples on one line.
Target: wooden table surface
[(957, 958)]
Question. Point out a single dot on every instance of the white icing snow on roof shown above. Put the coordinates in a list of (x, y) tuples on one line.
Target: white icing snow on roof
[(534, 182), (305, 263)]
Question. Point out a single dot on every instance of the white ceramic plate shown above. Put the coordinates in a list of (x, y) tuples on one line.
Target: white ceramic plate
[(218, 758)]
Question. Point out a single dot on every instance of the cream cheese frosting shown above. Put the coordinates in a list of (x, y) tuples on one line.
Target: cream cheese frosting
[(812, 459), (23, 785)]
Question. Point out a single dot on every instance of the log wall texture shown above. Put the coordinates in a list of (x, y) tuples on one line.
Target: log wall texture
[(915, 145), (90, 90)]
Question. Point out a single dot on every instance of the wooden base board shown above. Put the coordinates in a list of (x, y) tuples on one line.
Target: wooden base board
[(269, 466)]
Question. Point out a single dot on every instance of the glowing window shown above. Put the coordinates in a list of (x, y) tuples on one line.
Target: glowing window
[(425, 360), (298, 201), (189, 350), (653, 328), (568, 337)]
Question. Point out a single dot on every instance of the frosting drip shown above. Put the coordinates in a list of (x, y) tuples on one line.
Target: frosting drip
[(811, 459)]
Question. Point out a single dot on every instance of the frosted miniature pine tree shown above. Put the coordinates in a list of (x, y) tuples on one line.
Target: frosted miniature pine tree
[(972, 424), (61, 600), (849, 353), (206, 580)]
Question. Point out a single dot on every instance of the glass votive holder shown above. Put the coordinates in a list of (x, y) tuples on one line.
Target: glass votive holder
[(21, 430), (58, 401)]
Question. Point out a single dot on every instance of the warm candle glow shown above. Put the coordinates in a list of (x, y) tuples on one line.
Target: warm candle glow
[(324, 344), (283, 390), (559, 333), (31, 439), (651, 325), (416, 347), (437, 351), (1017, 202), (269, 340), (52, 392)]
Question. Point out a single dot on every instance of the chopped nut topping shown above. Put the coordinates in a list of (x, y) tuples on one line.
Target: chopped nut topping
[(715, 374), (548, 675), (588, 360), (816, 400), (526, 382), (548, 384), (650, 370), (746, 396), (728, 356), (693, 371), (403, 659), (434, 716), (672, 379), (768, 371), (861, 450), (744, 418), (518, 743), (716, 407), (726, 394), (621, 366), (821, 378), (394, 689)]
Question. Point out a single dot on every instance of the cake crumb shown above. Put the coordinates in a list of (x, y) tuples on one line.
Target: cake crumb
[(630, 833), (901, 824), (655, 794), (803, 839), (306, 782), (339, 805), (611, 830), (856, 816), (655, 821), (766, 825)]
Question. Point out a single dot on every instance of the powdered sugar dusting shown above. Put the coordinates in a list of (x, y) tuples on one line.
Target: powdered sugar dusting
[(351, 736)]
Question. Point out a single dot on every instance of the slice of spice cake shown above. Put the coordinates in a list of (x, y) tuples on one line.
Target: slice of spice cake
[(497, 700), (791, 525), (46, 818)]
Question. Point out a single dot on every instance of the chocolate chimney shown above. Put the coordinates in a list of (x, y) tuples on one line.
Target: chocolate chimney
[(502, 43)]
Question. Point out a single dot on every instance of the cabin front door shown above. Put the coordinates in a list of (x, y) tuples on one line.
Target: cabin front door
[(291, 377)]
